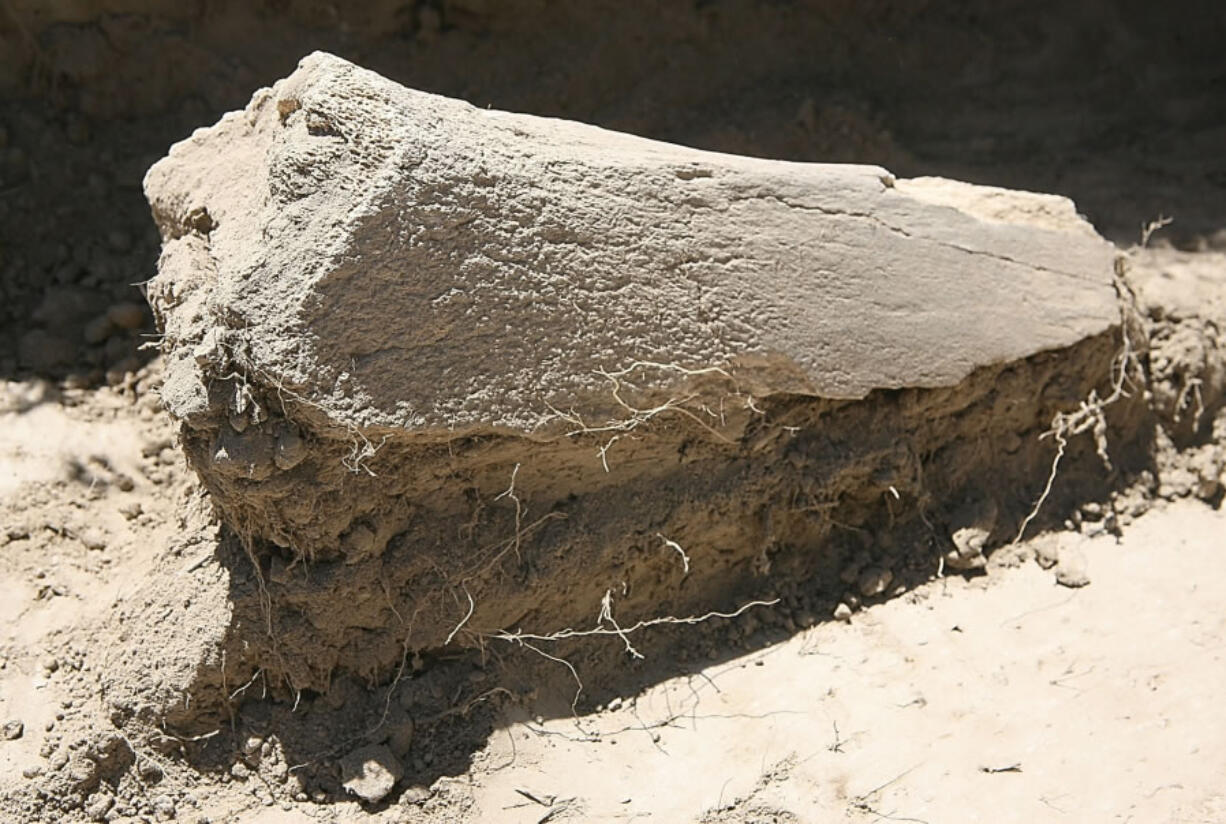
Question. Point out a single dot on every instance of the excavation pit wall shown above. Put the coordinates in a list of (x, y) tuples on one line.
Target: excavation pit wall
[(454, 378)]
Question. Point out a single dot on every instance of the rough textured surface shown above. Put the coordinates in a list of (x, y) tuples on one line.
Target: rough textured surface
[(405, 260), (1182, 298), (449, 372)]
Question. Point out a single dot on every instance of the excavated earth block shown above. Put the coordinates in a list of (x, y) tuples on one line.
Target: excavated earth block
[(447, 372)]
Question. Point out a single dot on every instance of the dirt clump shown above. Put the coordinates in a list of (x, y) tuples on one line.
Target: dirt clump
[(715, 386)]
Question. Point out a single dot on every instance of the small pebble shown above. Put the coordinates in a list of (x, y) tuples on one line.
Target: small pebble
[(98, 806), (415, 795), (1071, 568), (842, 613), (12, 729), (163, 808), (82, 770), (1046, 553), (107, 743), (358, 542), (967, 555)]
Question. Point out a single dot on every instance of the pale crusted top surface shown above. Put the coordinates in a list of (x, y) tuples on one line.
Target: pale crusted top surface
[(403, 259)]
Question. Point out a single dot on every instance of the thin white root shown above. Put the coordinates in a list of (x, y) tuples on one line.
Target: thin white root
[(1191, 389), (1147, 231), (244, 687), (361, 452), (361, 448), (574, 701), (1089, 416), (667, 367), (621, 632), (636, 416), (685, 559), (464, 620), (606, 614), (519, 509), (525, 639)]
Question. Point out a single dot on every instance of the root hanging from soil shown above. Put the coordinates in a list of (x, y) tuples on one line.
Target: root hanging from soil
[(1090, 416), (623, 632), (673, 545), (607, 625)]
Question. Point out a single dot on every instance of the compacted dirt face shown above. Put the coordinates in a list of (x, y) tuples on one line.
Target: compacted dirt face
[(831, 600)]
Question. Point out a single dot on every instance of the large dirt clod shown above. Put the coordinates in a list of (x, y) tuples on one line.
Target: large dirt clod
[(449, 372)]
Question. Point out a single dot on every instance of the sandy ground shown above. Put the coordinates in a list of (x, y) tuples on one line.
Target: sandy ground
[(1000, 698), (1008, 698)]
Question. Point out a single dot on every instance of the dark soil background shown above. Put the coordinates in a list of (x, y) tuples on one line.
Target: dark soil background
[(1119, 105)]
